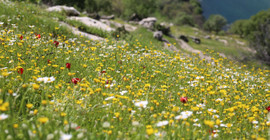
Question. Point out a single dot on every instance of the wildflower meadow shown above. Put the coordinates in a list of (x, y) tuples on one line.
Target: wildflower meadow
[(55, 85)]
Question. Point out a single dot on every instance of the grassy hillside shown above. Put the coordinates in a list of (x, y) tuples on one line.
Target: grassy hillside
[(232, 46), (55, 85)]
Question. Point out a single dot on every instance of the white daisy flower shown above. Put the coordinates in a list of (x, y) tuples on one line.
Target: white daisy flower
[(184, 115), (141, 104), (160, 134), (109, 98), (219, 99), (66, 137), (135, 123), (3, 116), (197, 124), (162, 123), (255, 122), (201, 105), (106, 125), (46, 79), (123, 92), (212, 110), (3, 68)]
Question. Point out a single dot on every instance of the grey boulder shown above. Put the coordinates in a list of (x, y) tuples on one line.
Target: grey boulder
[(70, 11), (158, 35), (148, 23)]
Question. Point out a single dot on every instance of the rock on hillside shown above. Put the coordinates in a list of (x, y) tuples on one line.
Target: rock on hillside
[(127, 27), (93, 23), (158, 35), (78, 32), (70, 11), (148, 22)]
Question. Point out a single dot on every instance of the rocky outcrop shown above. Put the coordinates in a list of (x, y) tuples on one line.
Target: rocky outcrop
[(164, 28), (158, 35), (93, 23), (225, 42), (107, 17), (135, 17), (196, 40), (93, 15), (70, 11), (207, 37), (78, 32), (127, 27), (148, 23), (240, 42), (98, 17)]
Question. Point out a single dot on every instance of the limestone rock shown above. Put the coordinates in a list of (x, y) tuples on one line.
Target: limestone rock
[(93, 23), (158, 35), (70, 11), (148, 23)]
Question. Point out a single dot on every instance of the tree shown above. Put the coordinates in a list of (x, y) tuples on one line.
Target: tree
[(184, 19), (257, 31), (96, 6), (215, 23), (240, 27), (259, 34), (91, 6), (78, 3), (117, 7), (141, 7)]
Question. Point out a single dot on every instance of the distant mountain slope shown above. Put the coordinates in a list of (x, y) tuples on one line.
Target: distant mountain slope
[(234, 9)]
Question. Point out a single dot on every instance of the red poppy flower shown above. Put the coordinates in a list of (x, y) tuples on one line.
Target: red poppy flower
[(38, 36), (68, 65), (49, 61), (268, 108), (183, 99), (56, 43), (78, 127), (75, 80), (20, 70), (103, 71), (21, 37), (212, 131)]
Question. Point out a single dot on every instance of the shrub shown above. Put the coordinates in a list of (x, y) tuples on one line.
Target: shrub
[(215, 23), (185, 20)]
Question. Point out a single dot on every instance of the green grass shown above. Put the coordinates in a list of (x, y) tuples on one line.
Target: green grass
[(143, 38), (118, 20), (39, 22), (224, 100)]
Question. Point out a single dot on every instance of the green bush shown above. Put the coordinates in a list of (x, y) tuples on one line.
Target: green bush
[(215, 23), (141, 7), (185, 20), (240, 27)]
